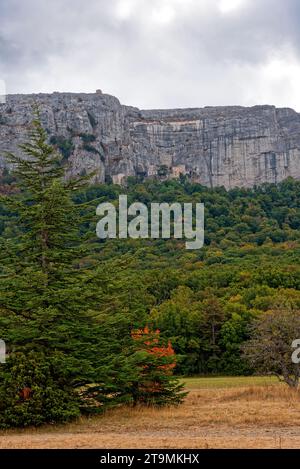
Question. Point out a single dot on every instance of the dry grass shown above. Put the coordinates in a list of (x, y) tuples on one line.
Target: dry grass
[(257, 416)]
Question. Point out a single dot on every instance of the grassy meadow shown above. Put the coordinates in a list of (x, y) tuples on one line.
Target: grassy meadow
[(219, 412)]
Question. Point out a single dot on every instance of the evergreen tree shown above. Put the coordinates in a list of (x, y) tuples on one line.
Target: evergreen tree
[(49, 301)]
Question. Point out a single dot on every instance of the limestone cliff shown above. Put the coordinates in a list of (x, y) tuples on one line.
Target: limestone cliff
[(216, 146)]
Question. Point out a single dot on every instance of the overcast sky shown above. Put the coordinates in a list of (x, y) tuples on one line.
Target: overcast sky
[(155, 53)]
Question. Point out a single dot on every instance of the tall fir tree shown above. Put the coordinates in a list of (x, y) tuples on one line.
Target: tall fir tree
[(49, 301)]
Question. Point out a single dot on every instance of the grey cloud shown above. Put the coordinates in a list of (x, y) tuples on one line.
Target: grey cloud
[(201, 57)]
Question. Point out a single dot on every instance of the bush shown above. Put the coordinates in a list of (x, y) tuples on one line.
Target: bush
[(87, 138), (65, 145), (35, 390), (90, 148)]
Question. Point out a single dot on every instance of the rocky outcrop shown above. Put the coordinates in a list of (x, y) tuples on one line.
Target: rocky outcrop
[(216, 146)]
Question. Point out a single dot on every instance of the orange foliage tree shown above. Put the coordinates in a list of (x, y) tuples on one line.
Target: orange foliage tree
[(155, 362)]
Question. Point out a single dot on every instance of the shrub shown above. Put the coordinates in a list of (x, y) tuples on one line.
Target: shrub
[(87, 138), (90, 148), (65, 145), (35, 389)]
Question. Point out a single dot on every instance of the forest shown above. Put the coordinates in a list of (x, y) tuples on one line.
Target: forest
[(204, 300)]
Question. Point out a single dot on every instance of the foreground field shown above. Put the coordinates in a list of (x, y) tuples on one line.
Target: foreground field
[(218, 413)]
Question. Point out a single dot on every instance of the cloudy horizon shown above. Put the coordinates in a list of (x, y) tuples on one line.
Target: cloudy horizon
[(158, 54)]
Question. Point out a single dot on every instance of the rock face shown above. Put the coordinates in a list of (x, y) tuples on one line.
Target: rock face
[(216, 146)]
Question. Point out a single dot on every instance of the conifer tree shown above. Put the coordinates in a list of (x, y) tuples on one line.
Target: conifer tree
[(49, 303), (40, 283)]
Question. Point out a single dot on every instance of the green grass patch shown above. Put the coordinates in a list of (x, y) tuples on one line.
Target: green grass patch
[(228, 381)]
